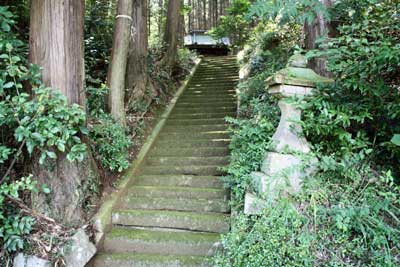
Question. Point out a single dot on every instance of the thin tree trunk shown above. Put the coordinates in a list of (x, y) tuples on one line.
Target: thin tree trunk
[(190, 16), (181, 28), (119, 56), (136, 74), (171, 33), (312, 32), (210, 14), (160, 17), (204, 15), (56, 44)]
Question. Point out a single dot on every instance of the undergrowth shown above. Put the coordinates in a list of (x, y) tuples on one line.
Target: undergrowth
[(348, 212)]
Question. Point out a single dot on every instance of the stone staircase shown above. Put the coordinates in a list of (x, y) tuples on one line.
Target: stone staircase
[(174, 211)]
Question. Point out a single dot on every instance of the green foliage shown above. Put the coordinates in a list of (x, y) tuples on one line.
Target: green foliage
[(186, 59), (110, 143), (258, 114), (99, 26), (234, 25), (38, 121), (347, 213), (13, 225), (253, 242), (43, 122), (288, 11), (362, 109)]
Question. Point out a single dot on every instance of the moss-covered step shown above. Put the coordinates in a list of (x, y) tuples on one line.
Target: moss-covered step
[(184, 220), (184, 169), (178, 192), (201, 105), (214, 115), (123, 239), (196, 143), (206, 101), (197, 148), (184, 161), (197, 94), (211, 109), (194, 128), (149, 260), (180, 180), (190, 136), (177, 204), (198, 122)]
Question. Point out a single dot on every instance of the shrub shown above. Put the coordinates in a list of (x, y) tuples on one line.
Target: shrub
[(110, 143), (347, 213)]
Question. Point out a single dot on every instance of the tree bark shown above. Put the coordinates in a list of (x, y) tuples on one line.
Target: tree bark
[(136, 74), (160, 17), (181, 28), (312, 32), (119, 58), (190, 16), (56, 44), (171, 33)]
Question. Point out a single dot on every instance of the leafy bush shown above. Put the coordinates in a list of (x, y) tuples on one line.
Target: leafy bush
[(347, 213), (110, 143), (234, 25), (363, 108), (13, 225)]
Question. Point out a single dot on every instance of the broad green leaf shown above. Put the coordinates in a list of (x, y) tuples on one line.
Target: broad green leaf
[(396, 139)]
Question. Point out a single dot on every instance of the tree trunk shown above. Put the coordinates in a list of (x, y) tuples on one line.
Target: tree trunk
[(119, 58), (160, 17), (181, 28), (56, 44), (205, 14), (171, 33), (136, 73), (190, 16), (312, 32)]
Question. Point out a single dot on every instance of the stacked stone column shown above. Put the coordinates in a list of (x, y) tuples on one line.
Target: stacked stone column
[(287, 163)]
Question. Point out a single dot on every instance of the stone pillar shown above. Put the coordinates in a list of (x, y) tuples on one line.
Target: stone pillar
[(282, 170)]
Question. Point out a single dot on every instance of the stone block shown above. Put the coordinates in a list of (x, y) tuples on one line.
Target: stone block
[(253, 205), (79, 251), (282, 170), (22, 260)]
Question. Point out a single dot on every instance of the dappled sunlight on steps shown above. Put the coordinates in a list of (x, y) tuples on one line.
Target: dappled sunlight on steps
[(174, 212)]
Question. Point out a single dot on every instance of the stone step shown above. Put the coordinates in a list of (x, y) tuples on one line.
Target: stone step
[(209, 91), (122, 239), (226, 90), (200, 144), (228, 104), (216, 115), (195, 128), (198, 95), (149, 260), (206, 170), (217, 78), (184, 161), (178, 192), (183, 220), (177, 204), (199, 122), (185, 150), (224, 81), (180, 180), (189, 110), (213, 85), (185, 137), (207, 100)]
